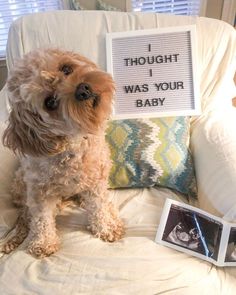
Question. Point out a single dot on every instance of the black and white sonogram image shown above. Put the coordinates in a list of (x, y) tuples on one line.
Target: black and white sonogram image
[(231, 249), (193, 231)]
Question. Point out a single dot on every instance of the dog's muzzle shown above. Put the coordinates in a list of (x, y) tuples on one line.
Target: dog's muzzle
[(83, 92)]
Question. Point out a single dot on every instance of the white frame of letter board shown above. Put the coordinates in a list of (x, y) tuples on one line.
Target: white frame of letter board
[(196, 92)]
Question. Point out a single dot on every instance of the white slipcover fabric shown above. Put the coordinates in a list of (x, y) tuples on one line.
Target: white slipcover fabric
[(134, 265)]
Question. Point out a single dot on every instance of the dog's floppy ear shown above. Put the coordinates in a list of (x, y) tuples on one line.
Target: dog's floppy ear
[(27, 134)]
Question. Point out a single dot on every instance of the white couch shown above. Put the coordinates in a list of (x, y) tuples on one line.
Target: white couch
[(136, 264)]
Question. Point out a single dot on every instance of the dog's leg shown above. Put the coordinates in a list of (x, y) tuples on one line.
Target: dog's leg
[(43, 238), (18, 190), (104, 221), (21, 231)]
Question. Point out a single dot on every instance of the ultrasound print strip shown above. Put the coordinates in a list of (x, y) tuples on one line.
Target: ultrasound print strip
[(193, 231), (231, 247)]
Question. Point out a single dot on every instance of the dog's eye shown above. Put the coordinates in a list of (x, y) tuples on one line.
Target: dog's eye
[(51, 103), (66, 69)]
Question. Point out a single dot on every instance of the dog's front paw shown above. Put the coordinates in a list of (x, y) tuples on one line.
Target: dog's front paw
[(10, 246), (113, 234), (110, 232), (17, 236), (40, 250), (15, 241)]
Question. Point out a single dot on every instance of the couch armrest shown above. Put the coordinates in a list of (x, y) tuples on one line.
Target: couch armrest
[(213, 143), (8, 164), (4, 107)]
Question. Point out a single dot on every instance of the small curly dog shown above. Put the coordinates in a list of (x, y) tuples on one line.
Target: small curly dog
[(60, 104)]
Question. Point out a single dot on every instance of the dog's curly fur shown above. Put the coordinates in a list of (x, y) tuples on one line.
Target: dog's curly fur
[(62, 150)]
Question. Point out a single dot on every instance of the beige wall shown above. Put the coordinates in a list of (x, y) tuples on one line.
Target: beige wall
[(213, 10)]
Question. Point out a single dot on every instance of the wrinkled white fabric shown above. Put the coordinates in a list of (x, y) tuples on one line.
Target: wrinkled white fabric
[(214, 150), (134, 265)]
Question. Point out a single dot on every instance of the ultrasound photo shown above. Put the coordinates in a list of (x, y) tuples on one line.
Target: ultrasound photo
[(231, 249), (193, 231)]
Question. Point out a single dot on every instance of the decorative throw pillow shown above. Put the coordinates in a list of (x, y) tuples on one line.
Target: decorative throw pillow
[(148, 152), (101, 5)]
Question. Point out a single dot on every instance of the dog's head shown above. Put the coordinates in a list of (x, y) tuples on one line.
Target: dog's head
[(53, 95)]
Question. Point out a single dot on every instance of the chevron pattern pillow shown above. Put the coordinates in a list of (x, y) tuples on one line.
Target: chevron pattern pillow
[(149, 152)]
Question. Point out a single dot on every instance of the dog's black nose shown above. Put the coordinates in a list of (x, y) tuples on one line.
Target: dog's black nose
[(83, 91)]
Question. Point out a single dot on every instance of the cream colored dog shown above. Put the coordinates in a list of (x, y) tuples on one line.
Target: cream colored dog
[(60, 105)]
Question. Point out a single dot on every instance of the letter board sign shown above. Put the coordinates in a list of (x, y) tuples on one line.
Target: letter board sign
[(155, 72)]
